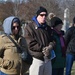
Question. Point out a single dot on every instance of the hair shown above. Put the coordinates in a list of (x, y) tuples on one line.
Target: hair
[(16, 20)]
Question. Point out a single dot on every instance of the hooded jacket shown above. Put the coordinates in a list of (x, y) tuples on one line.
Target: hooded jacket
[(10, 58)]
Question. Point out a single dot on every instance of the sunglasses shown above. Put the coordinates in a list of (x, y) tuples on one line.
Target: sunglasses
[(43, 15), (15, 27)]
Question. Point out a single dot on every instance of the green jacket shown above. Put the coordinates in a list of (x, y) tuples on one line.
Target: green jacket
[(59, 61)]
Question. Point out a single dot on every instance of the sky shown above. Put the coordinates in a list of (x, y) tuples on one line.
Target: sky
[(14, 0), (6, 0)]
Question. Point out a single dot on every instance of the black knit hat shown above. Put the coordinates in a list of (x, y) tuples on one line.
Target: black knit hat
[(55, 21), (41, 9)]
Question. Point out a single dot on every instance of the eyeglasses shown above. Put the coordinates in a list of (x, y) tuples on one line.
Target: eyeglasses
[(15, 27), (43, 15)]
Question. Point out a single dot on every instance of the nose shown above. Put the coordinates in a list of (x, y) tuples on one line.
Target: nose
[(16, 28), (44, 17)]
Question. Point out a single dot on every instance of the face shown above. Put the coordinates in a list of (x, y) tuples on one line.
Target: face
[(42, 17), (15, 29), (58, 27)]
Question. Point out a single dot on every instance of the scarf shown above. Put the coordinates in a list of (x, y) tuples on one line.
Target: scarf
[(62, 41)]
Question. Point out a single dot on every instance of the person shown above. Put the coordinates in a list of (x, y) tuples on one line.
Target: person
[(70, 42), (58, 63), (39, 40), (12, 56)]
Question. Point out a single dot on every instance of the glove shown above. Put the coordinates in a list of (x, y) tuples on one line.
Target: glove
[(52, 44), (46, 50)]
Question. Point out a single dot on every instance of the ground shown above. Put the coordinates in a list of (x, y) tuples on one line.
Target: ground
[(73, 70)]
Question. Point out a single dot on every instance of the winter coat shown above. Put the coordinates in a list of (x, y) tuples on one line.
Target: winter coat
[(10, 57), (70, 40), (59, 60), (37, 38)]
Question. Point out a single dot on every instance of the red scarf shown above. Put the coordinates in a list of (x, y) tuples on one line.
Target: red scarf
[(62, 41)]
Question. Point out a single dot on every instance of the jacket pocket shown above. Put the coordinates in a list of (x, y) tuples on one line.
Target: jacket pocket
[(7, 64)]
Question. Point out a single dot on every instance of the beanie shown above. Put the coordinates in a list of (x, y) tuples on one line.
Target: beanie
[(41, 9), (55, 21), (74, 20)]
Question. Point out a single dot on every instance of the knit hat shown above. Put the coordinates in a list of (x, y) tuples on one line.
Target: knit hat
[(51, 15), (41, 9), (74, 20), (55, 21)]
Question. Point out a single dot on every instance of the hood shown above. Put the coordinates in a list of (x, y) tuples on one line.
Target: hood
[(37, 23), (7, 25)]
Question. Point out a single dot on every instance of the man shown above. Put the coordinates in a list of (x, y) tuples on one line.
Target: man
[(38, 36), (10, 54), (70, 42)]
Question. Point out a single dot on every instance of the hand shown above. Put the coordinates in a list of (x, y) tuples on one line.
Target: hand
[(46, 50), (52, 44)]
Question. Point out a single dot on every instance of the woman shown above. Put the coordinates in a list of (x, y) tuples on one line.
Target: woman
[(10, 54), (58, 63)]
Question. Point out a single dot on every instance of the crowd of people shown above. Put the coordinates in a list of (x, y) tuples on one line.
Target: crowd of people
[(39, 40)]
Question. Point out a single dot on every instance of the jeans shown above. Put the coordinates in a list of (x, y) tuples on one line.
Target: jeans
[(69, 62), (58, 71), (1, 73)]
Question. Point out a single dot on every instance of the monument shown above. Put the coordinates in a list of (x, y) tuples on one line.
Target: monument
[(66, 22)]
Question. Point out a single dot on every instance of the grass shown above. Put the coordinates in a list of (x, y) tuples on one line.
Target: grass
[(73, 69)]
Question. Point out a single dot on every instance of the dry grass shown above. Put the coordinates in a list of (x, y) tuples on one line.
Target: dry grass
[(72, 72), (73, 69)]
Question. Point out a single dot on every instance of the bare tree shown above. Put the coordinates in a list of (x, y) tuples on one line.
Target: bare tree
[(26, 10), (5, 10)]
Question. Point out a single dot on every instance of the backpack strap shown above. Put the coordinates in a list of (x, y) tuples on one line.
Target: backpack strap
[(18, 47)]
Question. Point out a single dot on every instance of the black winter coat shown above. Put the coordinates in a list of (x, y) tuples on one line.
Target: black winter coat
[(70, 40)]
